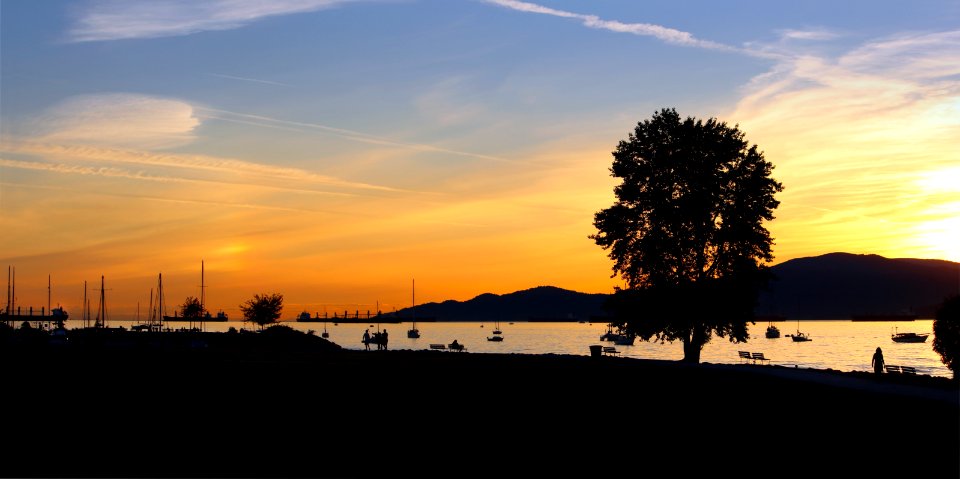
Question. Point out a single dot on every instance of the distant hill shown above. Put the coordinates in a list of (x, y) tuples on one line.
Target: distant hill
[(831, 286), (542, 302), (838, 285)]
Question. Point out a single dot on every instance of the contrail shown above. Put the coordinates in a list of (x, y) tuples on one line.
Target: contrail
[(360, 136)]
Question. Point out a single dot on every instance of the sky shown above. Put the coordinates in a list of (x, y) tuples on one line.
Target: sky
[(336, 150)]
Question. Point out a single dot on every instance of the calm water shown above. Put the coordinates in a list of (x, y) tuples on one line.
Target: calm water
[(842, 345)]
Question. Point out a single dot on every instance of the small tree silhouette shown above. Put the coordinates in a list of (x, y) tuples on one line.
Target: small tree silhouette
[(946, 334), (263, 309), (191, 308)]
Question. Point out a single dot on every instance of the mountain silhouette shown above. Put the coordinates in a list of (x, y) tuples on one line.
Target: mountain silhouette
[(839, 285), (831, 286), (540, 303)]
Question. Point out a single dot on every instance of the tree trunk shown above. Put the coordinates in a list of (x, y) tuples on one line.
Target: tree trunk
[(693, 344), (691, 351)]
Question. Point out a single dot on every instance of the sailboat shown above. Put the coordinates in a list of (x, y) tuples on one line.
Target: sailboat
[(800, 337), (496, 333), (414, 333)]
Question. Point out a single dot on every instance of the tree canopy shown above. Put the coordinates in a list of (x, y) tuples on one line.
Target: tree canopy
[(263, 309), (686, 232), (946, 333)]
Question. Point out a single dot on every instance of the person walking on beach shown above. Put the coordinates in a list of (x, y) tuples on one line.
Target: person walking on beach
[(366, 339), (383, 339), (878, 361)]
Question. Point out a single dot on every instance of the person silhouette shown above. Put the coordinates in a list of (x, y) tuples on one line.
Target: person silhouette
[(383, 339), (366, 339), (878, 361)]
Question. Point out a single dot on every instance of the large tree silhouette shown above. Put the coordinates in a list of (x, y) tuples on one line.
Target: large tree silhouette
[(686, 232), (263, 309), (946, 334)]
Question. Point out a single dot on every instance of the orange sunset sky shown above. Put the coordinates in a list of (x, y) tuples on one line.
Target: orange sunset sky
[(334, 150)]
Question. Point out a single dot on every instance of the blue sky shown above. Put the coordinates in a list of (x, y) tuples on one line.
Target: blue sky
[(462, 142)]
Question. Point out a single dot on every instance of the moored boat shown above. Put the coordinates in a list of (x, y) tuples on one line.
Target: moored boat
[(909, 337), (772, 332)]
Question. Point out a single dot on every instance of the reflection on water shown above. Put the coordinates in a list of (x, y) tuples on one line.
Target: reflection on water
[(840, 345)]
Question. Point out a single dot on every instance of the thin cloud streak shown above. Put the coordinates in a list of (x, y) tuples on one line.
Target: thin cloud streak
[(124, 19), (199, 162), (120, 173), (252, 80), (666, 34), (361, 137)]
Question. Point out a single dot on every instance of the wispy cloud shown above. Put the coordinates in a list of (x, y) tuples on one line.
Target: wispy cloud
[(185, 161), (127, 19), (119, 119), (81, 170), (810, 34), (251, 80), (111, 172), (856, 138), (666, 34)]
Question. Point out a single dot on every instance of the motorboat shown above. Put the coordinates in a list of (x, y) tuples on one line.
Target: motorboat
[(908, 337), (773, 332)]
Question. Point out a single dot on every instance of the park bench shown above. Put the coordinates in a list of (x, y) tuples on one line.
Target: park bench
[(745, 355), (908, 370), (456, 347), (610, 351), (892, 369), (759, 357), (438, 346)]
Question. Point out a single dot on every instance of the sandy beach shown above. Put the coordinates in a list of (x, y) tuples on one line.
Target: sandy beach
[(302, 408)]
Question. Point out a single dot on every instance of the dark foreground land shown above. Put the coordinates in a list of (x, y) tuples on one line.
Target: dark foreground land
[(208, 406)]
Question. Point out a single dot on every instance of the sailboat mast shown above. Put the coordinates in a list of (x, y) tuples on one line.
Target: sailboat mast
[(203, 296), (48, 295), (161, 310), (413, 302), (8, 291), (102, 309), (86, 306)]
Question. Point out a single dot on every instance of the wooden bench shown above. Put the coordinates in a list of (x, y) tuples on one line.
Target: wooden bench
[(456, 347), (745, 355), (611, 351), (908, 370), (759, 357), (438, 346), (891, 369)]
